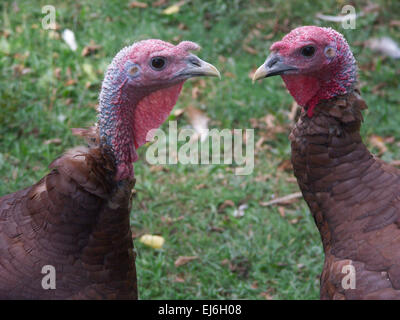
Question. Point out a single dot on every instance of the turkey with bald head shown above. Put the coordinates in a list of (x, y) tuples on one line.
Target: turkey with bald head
[(354, 197), (74, 223)]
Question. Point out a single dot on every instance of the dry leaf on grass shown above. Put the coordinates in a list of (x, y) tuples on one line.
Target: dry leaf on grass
[(290, 198), (69, 38), (378, 142), (249, 49), (267, 295), (239, 265), (184, 260), (56, 141), (281, 211), (385, 45), (200, 186), (174, 8), (179, 279), (137, 4), (239, 212), (285, 165), (90, 49), (224, 205), (159, 3), (155, 242), (217, 229)]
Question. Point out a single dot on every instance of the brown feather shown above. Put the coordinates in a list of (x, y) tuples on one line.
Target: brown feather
[(354, 198), (76, 219)]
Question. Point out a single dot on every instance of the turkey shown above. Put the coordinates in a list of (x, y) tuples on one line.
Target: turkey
[(354, 197), (74, 223)]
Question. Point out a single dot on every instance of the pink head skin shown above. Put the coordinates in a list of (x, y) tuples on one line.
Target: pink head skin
[(140, 88), (315, 63)]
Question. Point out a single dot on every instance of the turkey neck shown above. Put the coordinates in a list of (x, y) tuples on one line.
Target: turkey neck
[(329, 159)]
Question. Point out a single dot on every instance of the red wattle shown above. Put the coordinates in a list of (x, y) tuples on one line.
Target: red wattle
[(152, 111)]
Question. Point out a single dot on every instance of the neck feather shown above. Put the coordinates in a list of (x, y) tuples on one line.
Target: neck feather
[(329, 157), (115, 119)]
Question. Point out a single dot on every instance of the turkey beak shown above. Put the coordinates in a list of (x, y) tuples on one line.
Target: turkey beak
[(198, 68), (273, 66)]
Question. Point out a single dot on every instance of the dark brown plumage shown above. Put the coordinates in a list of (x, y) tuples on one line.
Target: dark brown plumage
[(76, 219), (353, 196)]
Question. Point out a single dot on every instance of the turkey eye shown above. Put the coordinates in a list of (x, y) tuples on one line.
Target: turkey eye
[(158, 63), (308, 51)]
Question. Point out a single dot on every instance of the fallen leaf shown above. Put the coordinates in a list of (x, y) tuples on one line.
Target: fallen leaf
[(155, 242), (281, 211), (69, 38), (184, 260), (179, 279), (20, 70), (239, 212), (285, 165), (137, 4), (174, 8), (240, 265), (70, 82), (249, 49), (200, 186), (158, 168), (90, 49), (267, 294), (217, 229), (295, 220), (282, 200), (159, 3), (385, 45), (53, 141), (378, 142), (225, 204)]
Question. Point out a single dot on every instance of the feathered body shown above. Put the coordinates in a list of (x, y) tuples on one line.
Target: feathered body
[(76, 219), (354, 197)]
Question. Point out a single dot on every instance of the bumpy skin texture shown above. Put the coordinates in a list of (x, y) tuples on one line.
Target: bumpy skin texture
[(76, 219), (321, 78), (131, 105), (354, 198)]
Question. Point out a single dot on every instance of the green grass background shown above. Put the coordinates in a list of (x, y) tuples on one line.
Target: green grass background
[(260, 255)]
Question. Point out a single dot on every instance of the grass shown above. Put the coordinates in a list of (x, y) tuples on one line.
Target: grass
[(46, 89)]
